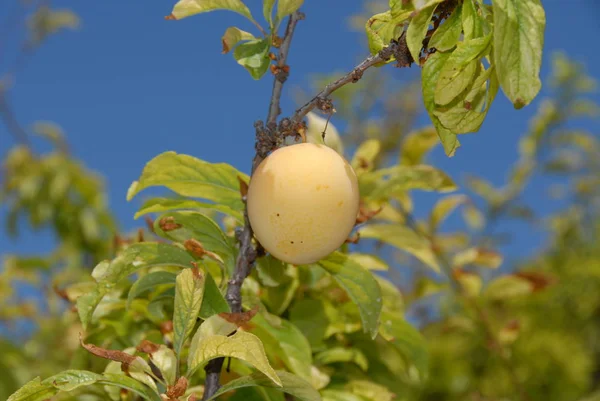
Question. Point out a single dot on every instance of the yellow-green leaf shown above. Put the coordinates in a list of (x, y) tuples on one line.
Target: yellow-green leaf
[(443, 208), (186, 8), (253, 56), (188, 176), (241, 345), (291, 384), (404, 238), (287, 7), (447, 35), (232, 36), (417, 144), (158, 205), (189, 290), (362, 161), (518, 41), (360, 285), (478, 256), (418, 29)]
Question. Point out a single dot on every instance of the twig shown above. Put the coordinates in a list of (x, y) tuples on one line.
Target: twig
[(398, 49), (10, 120), (282, 73), (247, 254)]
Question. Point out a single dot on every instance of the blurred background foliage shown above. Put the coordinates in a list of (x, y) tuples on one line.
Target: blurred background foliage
[(494, 330)]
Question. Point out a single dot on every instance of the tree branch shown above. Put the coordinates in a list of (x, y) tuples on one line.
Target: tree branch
[(281, 70), (398, 49), (10, 120), (247, 254)]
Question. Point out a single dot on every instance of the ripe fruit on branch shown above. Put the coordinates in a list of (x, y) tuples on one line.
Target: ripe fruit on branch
[(303, 201)]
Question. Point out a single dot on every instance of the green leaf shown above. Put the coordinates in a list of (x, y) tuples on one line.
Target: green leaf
[(253, 56), (416, 145), (408, 340), (188, 176), (149, 282), (472, 22), (34, 390), (271, 271), (384, 27), (277, 299), (290, 344), (127, 383), (290, 384), (360, 285), (241, 345), (166, 361), (194, 225), (448, 34), (369, 390), (268, 11), (186, 8), (340, 354), (478, 256), (466, 116), (443, 208), (418, 29), (287, 7), (404, 238), (310, 317), (509, 286), (213, 301), (232, 36), (518, 41), (364, 157), (340, 395), (389, 182), (71, 379), (214, 325), (459, 71), (159, 205), (135, 257), (38, 390), (429, 77), (189, 291), (370, 262)]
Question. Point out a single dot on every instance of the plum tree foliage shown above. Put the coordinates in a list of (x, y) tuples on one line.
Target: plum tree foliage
[(196, 307)]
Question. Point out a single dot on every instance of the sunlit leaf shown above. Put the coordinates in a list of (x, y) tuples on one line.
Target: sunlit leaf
[(289, 343), (159, 205), (186, 8), (418, 29), (135, 257), (443, 208), (253, 56), (368, 261), (232, 36), (241, 345), (505, 287), (519, 27), (364, 157), (416, 145), (188, 176), (189, 291), (404, 238), (478, 256), (448, 34), (287, 7)]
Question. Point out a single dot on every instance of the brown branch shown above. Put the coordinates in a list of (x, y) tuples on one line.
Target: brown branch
[(398, 49), (282, 72), (247, 254)]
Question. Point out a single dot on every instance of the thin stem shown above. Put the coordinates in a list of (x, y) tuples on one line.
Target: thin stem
[(398, 49), (260, 28), (247, 253), (10, 120), (282, 75)]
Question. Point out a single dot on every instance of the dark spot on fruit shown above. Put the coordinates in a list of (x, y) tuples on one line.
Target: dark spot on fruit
[(277, 214)]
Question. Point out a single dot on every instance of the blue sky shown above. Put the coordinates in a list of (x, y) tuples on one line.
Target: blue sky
[(129, 85)]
